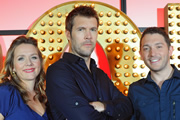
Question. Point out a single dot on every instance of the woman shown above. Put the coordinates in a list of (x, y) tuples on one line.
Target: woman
[(22, 91)]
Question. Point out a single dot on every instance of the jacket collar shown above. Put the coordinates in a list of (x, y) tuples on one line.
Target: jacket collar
[(176, 74)]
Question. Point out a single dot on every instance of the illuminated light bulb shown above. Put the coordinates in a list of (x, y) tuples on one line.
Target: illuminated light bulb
[(178, 57), (178, 24), (127, 74), (172, 32), (42, 23), (92, 5), (135, 57), (59, 31), (134, 31), (100, 22), (59, 40), (51, 48), (135, 74), (50, 57), (125, 23), (34, 32), (178, 41), (117, 74), (126, 57), (84, 4), (50, 22), (109, 49), (143, 66), (66, 14), (100, 31), (51, 40), (76, 5), (50, 64), (172, 57), (178, 8), (134, 49), (171, 15), (117, 83), (178, 16), (101, 14), (178, 32), (126, 83), (125, 31), (134, 40), (109, 14), (173, 39), (42, 32), (171, 7), (109, 31), (117, 66), (135, 66), (143, 74), (126, 40), (50, 14), (118, 22), (42, 48), (171, 24), (118, 49), (178, 65), (59, 48), (117, 40), (42, 40), (109, 40), (51, 32), (118, 14), (59, 14), (109, 23), (118, 57), (125, 92), (43, 56), (126, 66), (117, 31), (59, 23), (126, 48)]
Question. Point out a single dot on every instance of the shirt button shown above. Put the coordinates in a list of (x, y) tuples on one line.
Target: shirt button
[(76, 103), (108, 113), (119, 114), (99, 98)]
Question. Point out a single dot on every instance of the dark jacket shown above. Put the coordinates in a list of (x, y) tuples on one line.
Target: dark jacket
[(70, 88)]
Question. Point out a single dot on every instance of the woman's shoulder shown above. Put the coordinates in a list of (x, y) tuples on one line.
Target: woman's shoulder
[(6, 89)]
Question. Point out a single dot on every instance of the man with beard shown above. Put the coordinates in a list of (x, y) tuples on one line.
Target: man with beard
[(76, 88), (156, 97)]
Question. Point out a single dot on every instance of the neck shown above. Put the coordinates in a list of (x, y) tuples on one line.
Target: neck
[(160, 76)]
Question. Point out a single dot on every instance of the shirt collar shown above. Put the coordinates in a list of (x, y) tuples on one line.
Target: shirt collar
[(176, 74), (71, 58)]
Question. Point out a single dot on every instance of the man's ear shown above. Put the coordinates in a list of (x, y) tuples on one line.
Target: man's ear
[(141, 57), (68, 35), (171, 49)]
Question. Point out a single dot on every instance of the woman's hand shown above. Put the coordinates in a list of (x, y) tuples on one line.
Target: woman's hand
[(99, 106)]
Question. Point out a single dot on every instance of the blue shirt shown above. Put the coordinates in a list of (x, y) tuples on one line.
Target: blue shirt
[(12, 106), (71, 86), (152, 103)]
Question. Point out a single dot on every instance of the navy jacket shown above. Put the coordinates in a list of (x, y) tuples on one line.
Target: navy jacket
[(70, 88), (152, 103)]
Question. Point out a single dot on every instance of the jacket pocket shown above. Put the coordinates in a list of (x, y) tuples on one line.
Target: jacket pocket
[(175, 107)]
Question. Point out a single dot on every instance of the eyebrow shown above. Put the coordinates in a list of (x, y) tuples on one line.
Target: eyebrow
[(155, 44)]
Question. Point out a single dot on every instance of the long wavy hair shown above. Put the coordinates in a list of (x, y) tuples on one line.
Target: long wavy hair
[(7, 74)]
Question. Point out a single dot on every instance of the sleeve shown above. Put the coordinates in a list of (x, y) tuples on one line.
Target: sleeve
[(65, 96), (130, 95), (119, 106), (6, 99)]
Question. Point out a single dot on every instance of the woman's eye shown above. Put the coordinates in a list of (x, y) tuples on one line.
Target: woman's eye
[(20, 59)]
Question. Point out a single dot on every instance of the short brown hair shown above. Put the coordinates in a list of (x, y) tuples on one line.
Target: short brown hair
[(80, 11)]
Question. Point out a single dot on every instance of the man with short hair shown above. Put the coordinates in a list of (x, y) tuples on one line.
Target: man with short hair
[(76, 88), (156, 97)]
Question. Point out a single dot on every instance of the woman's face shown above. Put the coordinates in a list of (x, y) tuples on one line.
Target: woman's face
[(27, 63)]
